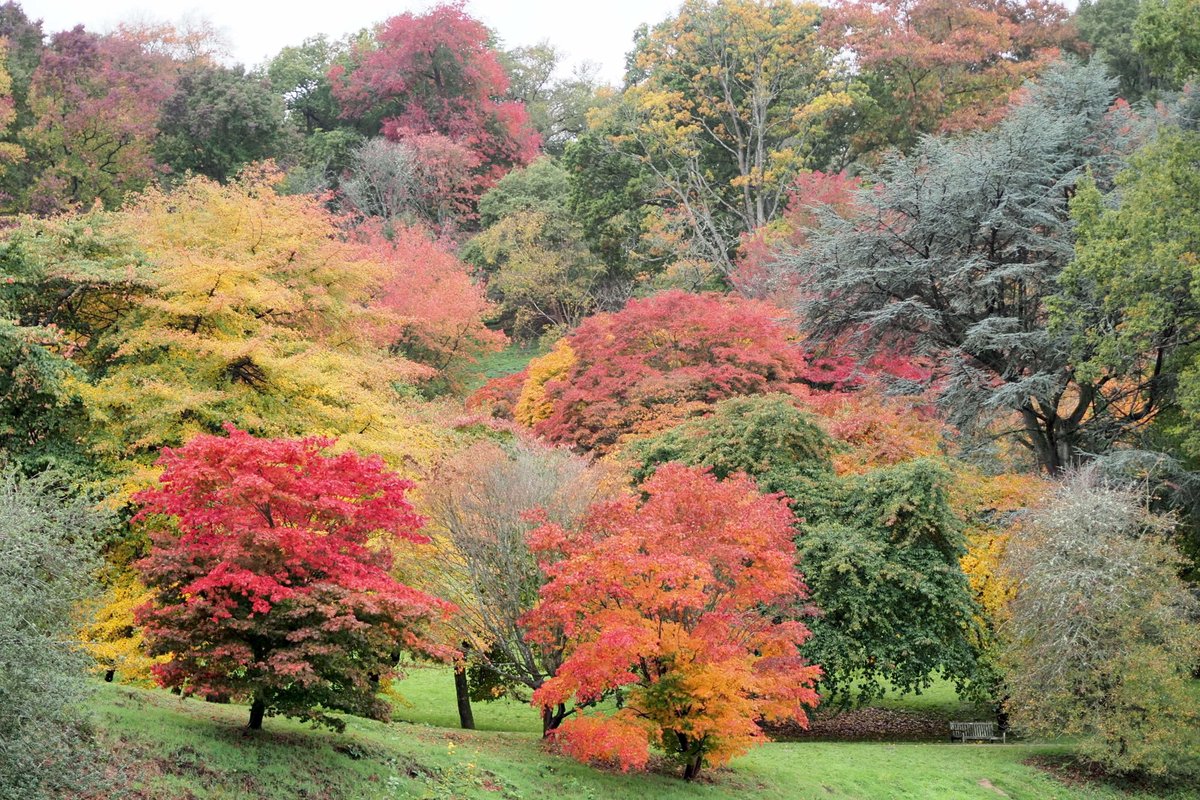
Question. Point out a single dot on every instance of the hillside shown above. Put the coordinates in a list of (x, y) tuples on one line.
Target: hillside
[(168, 748)]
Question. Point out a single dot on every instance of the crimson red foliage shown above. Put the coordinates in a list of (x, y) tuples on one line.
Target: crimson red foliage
[(271, 572), (437, 73), (499, 395), (674, 355)]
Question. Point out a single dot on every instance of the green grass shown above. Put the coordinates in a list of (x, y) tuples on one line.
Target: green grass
[(511, 359), (427, 698), (168, 748)]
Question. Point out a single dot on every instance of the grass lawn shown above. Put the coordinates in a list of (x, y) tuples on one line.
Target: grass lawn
[(511, 359), (168, 748)]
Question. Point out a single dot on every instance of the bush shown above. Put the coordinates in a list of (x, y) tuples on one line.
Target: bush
[(1103, 635), (47, 555)]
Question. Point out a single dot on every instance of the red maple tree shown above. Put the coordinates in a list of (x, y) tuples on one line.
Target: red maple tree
[(687, 603), (270, 565), (673, 355), (438, 73)]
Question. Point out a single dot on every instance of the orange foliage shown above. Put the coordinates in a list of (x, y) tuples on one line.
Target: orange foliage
[(876, 430), (689, 603), (532, 405)]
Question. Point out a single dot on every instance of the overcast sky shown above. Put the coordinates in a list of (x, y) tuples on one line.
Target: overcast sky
[(600, 32)]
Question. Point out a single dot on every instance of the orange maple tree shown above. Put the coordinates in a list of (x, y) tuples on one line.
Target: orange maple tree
[(688, 604)]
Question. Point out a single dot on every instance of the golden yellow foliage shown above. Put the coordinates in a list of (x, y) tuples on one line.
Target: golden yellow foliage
[(112, 636), (532, 405), (259, 313), (991, 506)]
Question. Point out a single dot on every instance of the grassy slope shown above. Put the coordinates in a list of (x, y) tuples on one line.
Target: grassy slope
[(170, 748), (513, 358)]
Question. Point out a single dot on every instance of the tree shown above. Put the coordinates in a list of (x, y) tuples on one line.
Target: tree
[(766, 437), (270, 565), (1128, 298), (941, 65), (954, 255), (671, 356), (557, 107), (479, 502), (532, 406), (426, 179), (96, 102), (217, 121), (10, 152), (48, 548), (24, 42), (112, 636), (1167, 35), (612, 192), (535, 256), (433, 312), (1103, 637), (880, 549), (733, 98), (67, 281), (260, 313), (437, 73), (760, 273), (1108, 26), (539, 271), (300, 74), (687, 603), (882, 563)]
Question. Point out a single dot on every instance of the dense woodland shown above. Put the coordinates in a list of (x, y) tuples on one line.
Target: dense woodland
[(841, 349)]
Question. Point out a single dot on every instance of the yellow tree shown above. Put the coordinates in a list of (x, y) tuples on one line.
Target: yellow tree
[(733, 99), (113, 638), (259, 313)]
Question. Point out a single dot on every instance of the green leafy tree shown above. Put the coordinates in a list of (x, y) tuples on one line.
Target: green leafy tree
[(68, 280), (557, 106), (612, 192), (882, 565), (48, 543), (1167, 35), (300, 74), (1130, 297), (1108, 26), (219, 120)]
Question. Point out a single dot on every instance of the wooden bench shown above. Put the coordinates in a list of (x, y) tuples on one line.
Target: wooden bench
[(976, 732)]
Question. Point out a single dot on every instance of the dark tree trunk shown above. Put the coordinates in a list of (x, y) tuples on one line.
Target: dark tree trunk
[(552, 717), (256, 714), (692, 768), (462, 693)]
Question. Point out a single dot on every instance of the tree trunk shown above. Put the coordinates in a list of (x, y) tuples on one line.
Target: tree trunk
[(256, 714), (462, 693), (692, 768), (552, 717)]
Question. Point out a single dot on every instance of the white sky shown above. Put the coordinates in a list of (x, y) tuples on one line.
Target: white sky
[(601, 32)]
